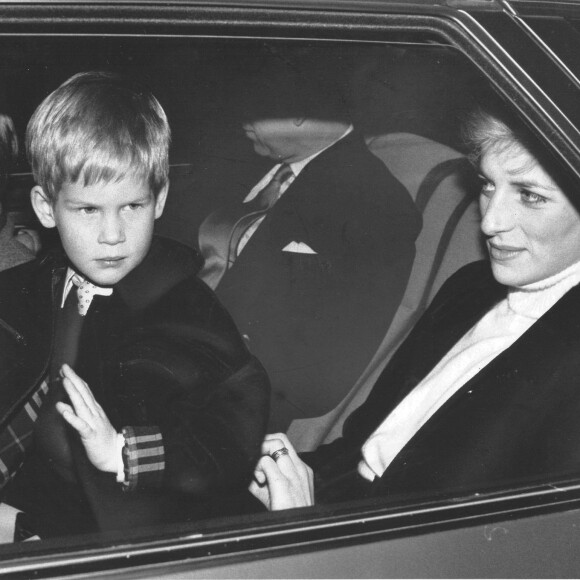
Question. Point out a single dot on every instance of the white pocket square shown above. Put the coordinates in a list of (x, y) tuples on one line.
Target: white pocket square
[(298, 248)]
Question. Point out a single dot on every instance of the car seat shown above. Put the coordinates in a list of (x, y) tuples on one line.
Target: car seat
[(443, 185)]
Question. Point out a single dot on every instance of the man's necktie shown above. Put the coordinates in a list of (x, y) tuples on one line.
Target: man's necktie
[(86, 292), (221, 232), (263, 201)]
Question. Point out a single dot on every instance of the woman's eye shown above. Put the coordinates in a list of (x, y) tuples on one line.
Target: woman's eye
[(487, 186), (531, 198)]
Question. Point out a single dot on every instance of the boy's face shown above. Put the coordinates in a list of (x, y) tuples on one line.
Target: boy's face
[(106, 229)]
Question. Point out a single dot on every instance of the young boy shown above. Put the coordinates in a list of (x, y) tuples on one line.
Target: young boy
[(154, 404)]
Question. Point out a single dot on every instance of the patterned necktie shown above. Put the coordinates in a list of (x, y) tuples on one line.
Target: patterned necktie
[(269, 195), (221, 231), (257, 208), (86, 292)]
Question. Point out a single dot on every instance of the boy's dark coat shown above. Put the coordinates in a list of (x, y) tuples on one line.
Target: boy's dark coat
[(162, 351)]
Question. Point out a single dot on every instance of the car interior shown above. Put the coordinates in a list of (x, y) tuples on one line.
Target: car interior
[(399, 97), (407, 97)]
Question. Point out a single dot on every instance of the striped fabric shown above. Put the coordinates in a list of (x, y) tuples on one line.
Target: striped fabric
[(143, 457), (16, 438)]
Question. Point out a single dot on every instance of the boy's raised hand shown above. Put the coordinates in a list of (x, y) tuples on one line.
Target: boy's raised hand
[(88, 418)]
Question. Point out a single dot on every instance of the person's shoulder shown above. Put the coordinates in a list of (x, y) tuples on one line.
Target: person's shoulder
[(178, 265), (352, 148), (167, 281), (22, 274), (355, 170), (169, 254), (472, 274), (24, 287), (476, 276), (349, 168), (166, 265), (477, 271), (174, 302)]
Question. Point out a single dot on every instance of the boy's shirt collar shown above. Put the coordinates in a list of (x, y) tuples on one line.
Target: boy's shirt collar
[(70, 281), (167, 263), (68, 284)]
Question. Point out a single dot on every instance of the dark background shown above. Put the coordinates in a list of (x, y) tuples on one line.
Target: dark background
[(387, 88)]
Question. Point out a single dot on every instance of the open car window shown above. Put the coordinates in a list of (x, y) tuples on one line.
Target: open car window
[(407, 90)]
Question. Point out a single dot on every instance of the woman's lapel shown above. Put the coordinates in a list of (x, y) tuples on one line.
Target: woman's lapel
[(529, 357)]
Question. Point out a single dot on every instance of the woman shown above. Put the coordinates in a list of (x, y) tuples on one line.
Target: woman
[(486, 389)]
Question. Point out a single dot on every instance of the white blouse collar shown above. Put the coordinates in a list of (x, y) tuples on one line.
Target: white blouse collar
[(534, 300)]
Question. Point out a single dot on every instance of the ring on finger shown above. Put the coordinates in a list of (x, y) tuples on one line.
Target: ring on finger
[(277, 454)]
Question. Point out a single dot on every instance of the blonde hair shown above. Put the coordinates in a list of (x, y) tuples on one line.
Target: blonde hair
[(97, 128)]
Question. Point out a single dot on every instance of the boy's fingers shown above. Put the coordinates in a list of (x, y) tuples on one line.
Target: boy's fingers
[(63, 408), (79, 384), (73, 420), (78, 402), (81, 388), (67, 371)]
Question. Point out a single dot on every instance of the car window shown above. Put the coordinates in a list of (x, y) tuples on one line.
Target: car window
[(407, 98)]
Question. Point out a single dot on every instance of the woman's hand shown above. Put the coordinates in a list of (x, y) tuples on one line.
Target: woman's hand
[(88, 418), (284, 483)]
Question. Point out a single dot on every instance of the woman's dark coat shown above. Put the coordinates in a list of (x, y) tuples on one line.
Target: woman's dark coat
[(517, 420)]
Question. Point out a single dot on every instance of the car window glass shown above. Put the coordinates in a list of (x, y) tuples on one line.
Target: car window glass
[(407, 102), (561, 35)]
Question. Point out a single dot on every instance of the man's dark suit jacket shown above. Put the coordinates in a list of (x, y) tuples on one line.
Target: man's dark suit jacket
[(160, 351), (315, 320), (514, 421)]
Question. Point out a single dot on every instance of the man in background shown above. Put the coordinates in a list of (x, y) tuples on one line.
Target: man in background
[(313, 263)]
